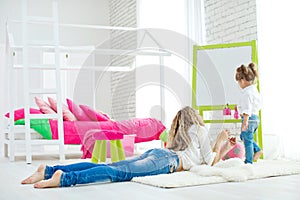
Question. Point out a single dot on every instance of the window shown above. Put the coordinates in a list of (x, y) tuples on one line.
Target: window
[(169, 89)]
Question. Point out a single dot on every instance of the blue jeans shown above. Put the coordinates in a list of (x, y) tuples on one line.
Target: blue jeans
[(152, 162), (247, 137)]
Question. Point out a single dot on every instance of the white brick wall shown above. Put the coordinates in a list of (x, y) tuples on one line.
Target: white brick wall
[(230, 21), (123, 13)]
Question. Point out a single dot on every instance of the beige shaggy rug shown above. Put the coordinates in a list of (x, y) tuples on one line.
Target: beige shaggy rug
[(232, 170)]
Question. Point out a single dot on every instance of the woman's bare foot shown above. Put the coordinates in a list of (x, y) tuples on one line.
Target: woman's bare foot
[(257, 155), (50, 183), (36, 176)]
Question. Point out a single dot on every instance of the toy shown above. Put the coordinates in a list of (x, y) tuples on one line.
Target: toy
[(236, 113), (226, 110)]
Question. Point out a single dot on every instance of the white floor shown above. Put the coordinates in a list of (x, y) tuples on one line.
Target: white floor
[(11, 173)]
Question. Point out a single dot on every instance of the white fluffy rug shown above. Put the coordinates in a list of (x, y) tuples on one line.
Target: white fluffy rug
[(224, 171)]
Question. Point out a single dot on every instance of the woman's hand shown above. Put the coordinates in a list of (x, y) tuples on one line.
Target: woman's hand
[(230, 143), (224, 135)]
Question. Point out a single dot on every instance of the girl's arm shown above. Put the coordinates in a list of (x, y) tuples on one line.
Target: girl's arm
[(245, 122)]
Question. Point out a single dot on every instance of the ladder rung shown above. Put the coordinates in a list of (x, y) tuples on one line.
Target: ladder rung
[(43, 116), (38, 142), (49, 43), (18, 129), (43, 47), (43, 91), (44, 142)]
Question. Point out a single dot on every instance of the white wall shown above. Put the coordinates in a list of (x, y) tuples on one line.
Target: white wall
[(123, 98), (278, 40)]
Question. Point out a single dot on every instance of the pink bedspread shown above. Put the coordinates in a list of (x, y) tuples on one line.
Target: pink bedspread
[(77, 132)]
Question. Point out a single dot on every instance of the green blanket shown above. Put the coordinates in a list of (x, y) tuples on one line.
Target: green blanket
[(41, 126)]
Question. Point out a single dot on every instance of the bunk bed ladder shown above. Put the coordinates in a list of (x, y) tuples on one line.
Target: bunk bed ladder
[(26, 79), (10, 141)]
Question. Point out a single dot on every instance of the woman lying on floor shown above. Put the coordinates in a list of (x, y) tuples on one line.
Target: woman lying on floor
[(188, 145)]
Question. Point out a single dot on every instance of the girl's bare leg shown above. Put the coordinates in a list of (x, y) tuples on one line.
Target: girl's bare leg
[(50, 183), (257, 155), (36, 176)]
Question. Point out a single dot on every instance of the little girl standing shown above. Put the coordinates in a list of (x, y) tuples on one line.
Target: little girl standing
[(249, 106)]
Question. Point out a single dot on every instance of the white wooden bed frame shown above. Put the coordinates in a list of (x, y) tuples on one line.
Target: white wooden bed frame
[(10, 140)]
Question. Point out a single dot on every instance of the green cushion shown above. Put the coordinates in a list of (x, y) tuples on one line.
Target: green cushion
[(164, 136)]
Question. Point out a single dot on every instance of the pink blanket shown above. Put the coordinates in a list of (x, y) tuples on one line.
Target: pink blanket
[(77, 132)]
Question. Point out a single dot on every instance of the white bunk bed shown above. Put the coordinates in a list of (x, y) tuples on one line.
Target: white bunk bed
[(10, 140)]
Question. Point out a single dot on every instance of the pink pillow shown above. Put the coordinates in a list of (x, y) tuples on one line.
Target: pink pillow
[(67, 114), (94, 115), (238, 151), (77, 111), (19, 114), (44, 106)]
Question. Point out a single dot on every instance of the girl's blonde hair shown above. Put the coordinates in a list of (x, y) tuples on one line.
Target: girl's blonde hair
[(179, 138), (247, 73)]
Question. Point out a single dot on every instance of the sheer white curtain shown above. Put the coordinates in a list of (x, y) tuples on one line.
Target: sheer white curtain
[(166, 15), (153, 98), (278, 49)]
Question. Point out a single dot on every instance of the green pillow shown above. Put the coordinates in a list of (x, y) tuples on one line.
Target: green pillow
[(41, 126)]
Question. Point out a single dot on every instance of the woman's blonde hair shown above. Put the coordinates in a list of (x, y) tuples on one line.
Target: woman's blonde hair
[(179, 138)]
